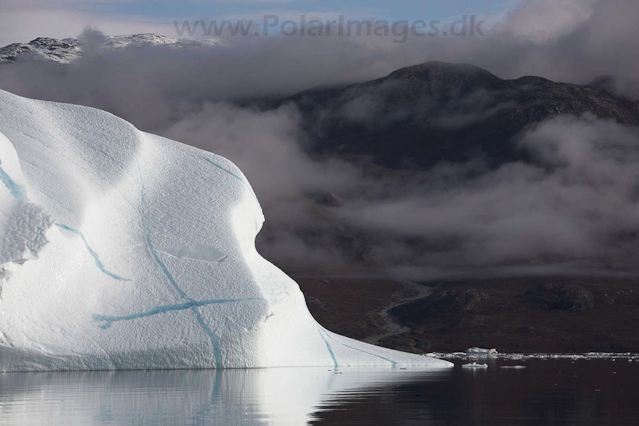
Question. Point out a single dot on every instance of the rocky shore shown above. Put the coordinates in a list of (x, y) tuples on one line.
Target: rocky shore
[(522, 315)]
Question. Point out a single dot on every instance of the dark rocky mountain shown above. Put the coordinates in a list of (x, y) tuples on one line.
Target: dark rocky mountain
[(433, 112), (411, 119)]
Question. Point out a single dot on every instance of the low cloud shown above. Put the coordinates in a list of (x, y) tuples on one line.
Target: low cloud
[(576, 202), (579, 202)]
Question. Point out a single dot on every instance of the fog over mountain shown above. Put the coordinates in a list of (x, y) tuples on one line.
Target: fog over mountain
[(435, 167)]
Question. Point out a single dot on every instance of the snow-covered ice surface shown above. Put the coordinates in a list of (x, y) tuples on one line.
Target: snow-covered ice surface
[(124, 250), (23, 225)]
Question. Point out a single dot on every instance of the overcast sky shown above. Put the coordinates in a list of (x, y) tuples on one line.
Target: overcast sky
[(24, 20)]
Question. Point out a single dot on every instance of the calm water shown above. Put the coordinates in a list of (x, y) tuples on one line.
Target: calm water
[(553, 392)]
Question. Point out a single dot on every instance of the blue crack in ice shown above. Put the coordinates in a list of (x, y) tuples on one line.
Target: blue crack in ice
[(328, 346), (238, 178), (109, 320), (215, 344), (232, 174), (92, 252), (393, 363), (225, 170), (18, 192)]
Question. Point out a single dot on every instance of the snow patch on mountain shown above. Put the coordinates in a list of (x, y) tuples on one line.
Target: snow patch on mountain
[(43, 48), (67, 50)]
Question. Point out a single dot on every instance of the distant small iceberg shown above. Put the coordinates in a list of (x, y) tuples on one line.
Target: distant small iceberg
[(479, 352), (475, 366)]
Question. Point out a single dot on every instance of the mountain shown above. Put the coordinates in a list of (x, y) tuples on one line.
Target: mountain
[(437, 112), (413, 118), (44, 48), (69, 49), (125, 250)]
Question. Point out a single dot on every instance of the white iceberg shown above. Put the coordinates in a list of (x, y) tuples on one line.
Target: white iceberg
[(480, 353), (124, 250), (474, 365)]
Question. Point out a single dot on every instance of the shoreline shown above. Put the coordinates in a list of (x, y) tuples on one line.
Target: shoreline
[(571, 315)]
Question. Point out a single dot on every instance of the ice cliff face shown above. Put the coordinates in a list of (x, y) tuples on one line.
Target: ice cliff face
[(23, 225), (124, 250)]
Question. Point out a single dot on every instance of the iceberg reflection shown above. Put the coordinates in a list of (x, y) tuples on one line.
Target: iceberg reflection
[(268, 396)]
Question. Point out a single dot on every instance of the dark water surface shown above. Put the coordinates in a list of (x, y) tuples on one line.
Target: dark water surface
[(546, 392)]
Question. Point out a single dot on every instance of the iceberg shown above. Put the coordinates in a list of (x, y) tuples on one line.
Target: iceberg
[(481, 353), (125, 250), (475, 366)]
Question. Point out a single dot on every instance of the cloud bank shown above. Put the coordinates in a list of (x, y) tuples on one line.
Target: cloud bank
[(575, 203)]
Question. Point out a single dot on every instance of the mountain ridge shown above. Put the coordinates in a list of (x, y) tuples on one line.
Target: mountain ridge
[(65, 51), (438, 111)]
